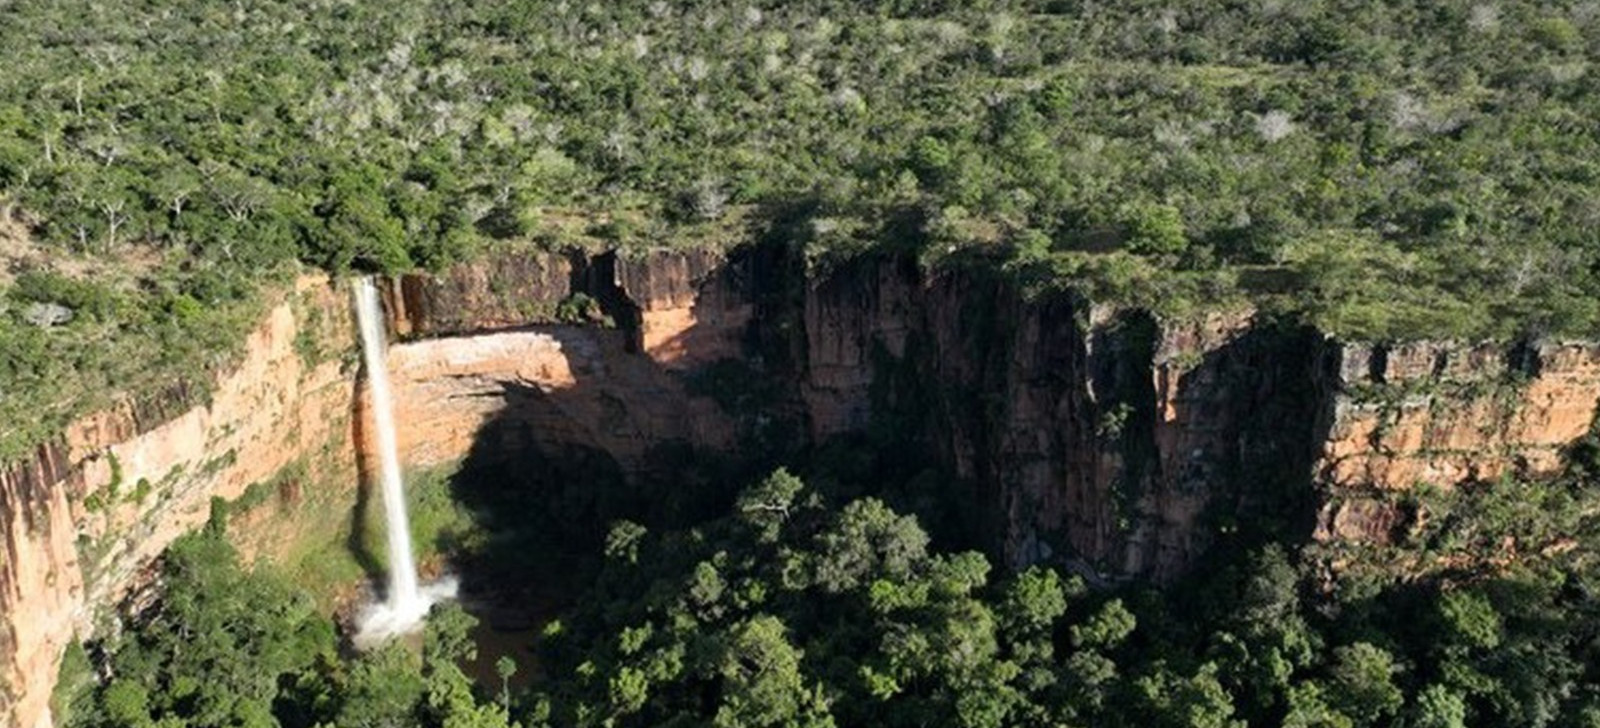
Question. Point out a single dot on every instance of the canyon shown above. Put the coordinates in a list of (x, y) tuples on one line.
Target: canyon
[(1094, 437)]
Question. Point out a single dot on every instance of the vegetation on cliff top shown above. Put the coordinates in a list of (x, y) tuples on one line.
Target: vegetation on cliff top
[(1390, 170), (788, 611)]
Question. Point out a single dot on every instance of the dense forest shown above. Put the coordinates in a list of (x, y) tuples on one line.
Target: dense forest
[(1387, 170), (790, 610)]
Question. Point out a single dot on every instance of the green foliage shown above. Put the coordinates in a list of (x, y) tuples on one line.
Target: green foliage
[(247, 140), (439, 523), (383, 689), (226, 646), (216, 649), (1106, 628), (888, 632), (1034, 600), (1469, 620), (1363, 682), (766, 507), (1438, 707), (581, 308), (1153, 229), (75, 682), (1308, 708), (1170, 699), (1384, 170), (144, 343), (867, 539), (787, 611), (762, 684)]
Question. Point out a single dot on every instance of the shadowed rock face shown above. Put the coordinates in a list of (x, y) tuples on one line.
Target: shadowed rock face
[(1065, 432)]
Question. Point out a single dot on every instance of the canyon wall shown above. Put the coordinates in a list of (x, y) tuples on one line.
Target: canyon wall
[(1060, 431), (1094, 437), (1081, 434), (85, 518), (528, 339)]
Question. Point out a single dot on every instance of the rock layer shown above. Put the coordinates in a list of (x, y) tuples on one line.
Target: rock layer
[(1442, 414), (1097, 438), (1092, 435)]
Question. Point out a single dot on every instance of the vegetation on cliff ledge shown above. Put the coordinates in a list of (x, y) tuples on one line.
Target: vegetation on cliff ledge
[(1386, 169)]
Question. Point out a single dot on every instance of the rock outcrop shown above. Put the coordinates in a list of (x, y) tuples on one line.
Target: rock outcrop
[(1094, 437), (565, 385), (1104, 438), (1442, 414)]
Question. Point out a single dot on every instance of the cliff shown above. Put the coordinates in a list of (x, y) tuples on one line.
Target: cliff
[(1078, 433), (88, 514), (1048, 428), (1093, 436), (1441, 414)]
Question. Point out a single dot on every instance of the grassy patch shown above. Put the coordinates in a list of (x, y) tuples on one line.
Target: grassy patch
[(337, 553), (74, 679)]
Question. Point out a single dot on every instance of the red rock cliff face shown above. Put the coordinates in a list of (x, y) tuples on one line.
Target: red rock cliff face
[(41, 587), (693, 308), (566, 380), (1102, 438), (84, 519), (1092, 437), (1443, 414), (562, 385)]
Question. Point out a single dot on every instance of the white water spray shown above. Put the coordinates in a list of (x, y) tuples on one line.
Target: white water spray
[(407, 603)]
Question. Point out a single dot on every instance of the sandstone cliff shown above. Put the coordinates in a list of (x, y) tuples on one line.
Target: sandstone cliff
[(1101, 437), (1094, 437), (86, 516), (1442, 414)]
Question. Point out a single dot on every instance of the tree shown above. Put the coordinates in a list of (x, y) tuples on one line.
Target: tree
[(217, 649), (450, 702), (1362, 683), (447, 636), (1166, 698), (126, 703), (1106, 629), (1308, 708), (1035, 599), (505, 667), (763, 685), (358, 226), (1153, 229), (1438, 707), (1267, 640), (867, 538), (384, 689), (1468, 621), (768, 505)]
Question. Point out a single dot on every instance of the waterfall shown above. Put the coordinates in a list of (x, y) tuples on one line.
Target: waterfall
[(403, 592), (406, 602)]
